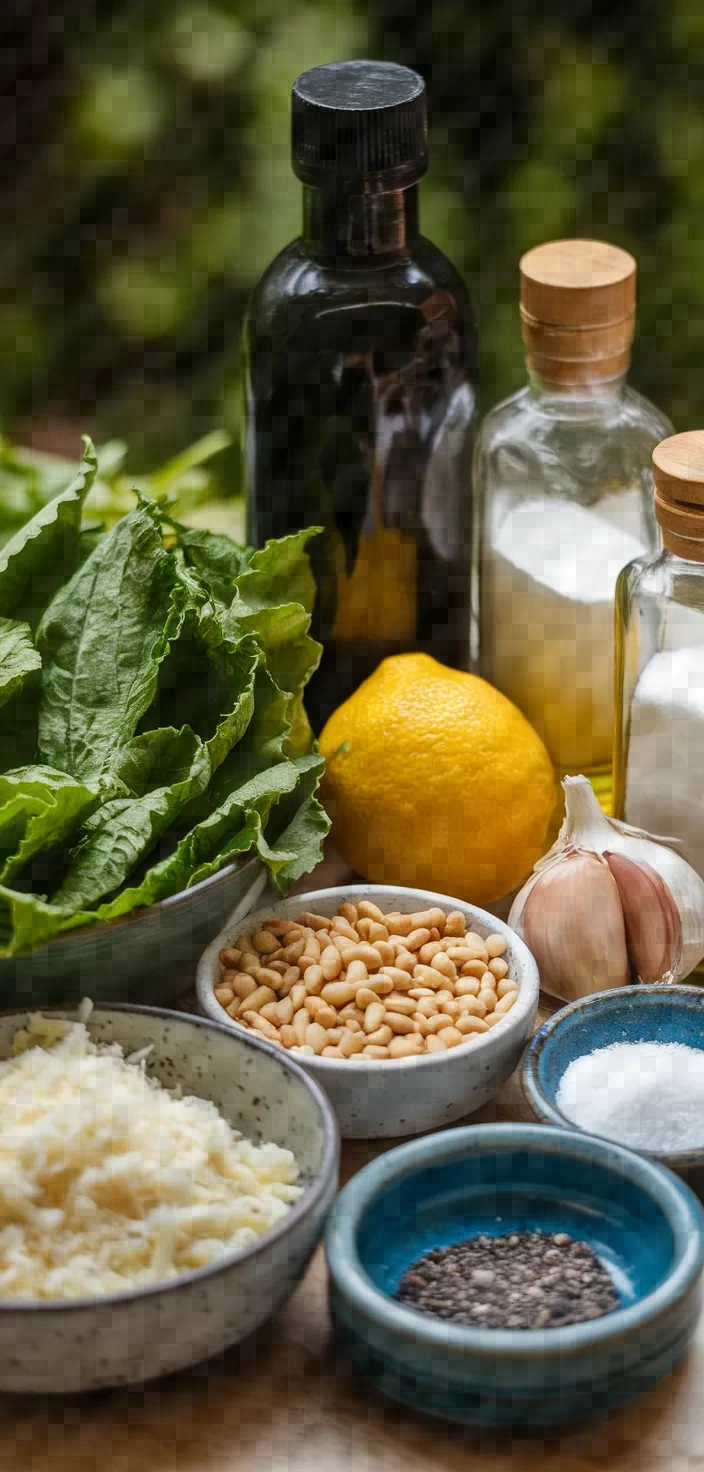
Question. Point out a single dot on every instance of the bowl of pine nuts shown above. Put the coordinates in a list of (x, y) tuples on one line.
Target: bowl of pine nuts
[(410, 1008)]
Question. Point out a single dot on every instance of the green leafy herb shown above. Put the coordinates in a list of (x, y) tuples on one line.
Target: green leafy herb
[(161, 702)]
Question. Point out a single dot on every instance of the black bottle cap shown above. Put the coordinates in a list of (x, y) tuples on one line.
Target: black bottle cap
[(359, 125)]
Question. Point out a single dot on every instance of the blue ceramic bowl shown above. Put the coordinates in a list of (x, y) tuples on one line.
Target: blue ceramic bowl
[(641, 1221), (654, 1014)]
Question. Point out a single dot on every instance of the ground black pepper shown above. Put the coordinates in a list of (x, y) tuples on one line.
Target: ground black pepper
[(526, 1280)]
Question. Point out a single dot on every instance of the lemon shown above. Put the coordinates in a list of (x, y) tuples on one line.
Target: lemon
[(435, 780)]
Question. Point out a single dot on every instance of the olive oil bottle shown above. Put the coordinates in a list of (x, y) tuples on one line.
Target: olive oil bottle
[(360, 352)]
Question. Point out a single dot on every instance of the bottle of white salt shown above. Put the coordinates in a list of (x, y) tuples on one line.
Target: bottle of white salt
[(563, 475), (659, 749)]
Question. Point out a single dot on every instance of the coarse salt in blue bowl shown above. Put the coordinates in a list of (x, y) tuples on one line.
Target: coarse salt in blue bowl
[(644, 1225)]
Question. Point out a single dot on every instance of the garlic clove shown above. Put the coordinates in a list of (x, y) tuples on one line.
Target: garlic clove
[(651, 917), (572, 921)]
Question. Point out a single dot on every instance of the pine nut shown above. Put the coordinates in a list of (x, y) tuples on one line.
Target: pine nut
[(366, 997), (351, 1043), (352, 1024), (301, 1019), (381, 985), (434, 1043), (397, 1003), (421, 991), (386, 951), (377, 932), (507, 985), (455, 923), (244, 943), (265, 977), (327, 1017), (224, 994), (331, 1053), (305, 962), (374, 1016), (430, 977), (330, 963), (280, 967), (461, 954), (427, 952), (406, 1047), (420, 1023), (313, 1005), (466, 1024), (444, 999), (265, 942), (289, 1037), (381, 1037), (230, 958), (405, 961), (339, 993), (496, 945), (426, 919), (451, 1037), (261, 1025), (469, 1007), (353, 1012), (366, 953), (398, 1023), (474, 968), (276, 926), (334, 1035), (313, 980), (350, 912), (250, 962), (488, 998), (289, 980), (488, 980), (417, 938), (498, 968), (313, 922), (427, 1007), (373, 1051), (293, 953), (270, 1013), (369, 911), (259, 998), (363, 928), (316, 1037), (445, 966), (341, 943), (467, 986), (399, 978), (298, 995), (233, 1008), (343, 927), (356, 972), (505, 1003), (492, 1018), (439, 1023), (398, 924)]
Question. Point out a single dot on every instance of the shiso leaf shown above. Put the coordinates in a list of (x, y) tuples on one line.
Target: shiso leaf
[(18, 657), (44, 552)]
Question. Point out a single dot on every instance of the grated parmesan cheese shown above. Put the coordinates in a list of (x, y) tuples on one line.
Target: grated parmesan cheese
[(108, 1182)]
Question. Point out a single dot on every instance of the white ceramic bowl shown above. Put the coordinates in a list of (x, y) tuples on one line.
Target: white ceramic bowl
[(123, 1339), (386, 1099)]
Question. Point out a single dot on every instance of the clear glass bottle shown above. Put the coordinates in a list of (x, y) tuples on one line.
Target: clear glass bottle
[(360, 374), (659, 746), (563, 474)]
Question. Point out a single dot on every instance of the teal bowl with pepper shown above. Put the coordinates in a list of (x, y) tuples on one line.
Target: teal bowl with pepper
[(645, 1226)]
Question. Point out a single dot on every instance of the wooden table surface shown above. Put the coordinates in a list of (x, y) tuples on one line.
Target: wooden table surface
[(281, 1403)]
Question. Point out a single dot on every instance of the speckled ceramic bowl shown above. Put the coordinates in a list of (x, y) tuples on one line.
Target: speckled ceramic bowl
[(643, 1223), (122, 1339), (380, 1099), (655, 1014)]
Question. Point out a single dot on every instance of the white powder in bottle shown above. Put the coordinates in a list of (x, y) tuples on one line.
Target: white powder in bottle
[(549, 574), (665, 762), (647, 1095)]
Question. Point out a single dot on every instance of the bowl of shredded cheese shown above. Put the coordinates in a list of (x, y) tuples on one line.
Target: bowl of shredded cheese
[(163, 1183)]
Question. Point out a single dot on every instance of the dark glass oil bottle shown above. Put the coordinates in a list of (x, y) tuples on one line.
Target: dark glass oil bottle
[(360, 352)]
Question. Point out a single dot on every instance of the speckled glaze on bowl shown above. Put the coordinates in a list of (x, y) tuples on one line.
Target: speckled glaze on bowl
[(146, 956), (124, 1339), (639, 1218), (384, 1099), (655, 1014)]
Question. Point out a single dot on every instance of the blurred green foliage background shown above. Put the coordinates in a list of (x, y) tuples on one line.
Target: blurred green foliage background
[(145, 184)]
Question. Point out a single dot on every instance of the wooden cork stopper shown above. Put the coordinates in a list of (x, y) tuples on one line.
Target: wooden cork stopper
[(578, 301), (678, 473)]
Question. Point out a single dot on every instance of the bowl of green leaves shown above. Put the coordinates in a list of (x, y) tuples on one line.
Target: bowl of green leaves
[(156, 763)]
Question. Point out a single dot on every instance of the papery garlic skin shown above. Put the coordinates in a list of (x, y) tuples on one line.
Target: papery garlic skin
[(663, 944)]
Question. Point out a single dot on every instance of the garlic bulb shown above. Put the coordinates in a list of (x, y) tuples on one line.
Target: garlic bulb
[(609, 905)]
